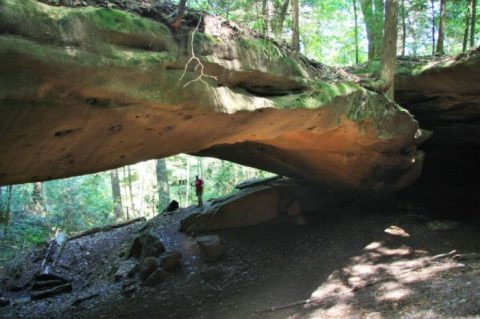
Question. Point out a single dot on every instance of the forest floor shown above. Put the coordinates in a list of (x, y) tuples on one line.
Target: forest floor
[(346, 262)]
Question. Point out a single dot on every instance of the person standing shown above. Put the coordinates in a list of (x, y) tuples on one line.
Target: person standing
[(199, 190)]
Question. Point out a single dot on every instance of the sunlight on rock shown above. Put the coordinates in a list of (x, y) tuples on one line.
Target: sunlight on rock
[(373, 245), (396, 231), (340, 310), (373, 315), (392, 291), (427, 273), (399, 251), (330, 289)]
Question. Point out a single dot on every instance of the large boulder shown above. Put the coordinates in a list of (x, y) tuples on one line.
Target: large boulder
[(247, 207), (255, 203), (89, 89), (444, 94)]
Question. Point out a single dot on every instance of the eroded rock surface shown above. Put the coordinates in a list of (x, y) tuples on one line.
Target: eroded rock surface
[(444, 95), (258, 202), (89, 89)]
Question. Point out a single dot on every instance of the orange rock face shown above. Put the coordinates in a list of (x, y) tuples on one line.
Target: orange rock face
[(77, 102)]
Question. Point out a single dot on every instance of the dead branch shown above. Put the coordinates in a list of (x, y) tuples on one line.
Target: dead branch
[(106, 228), (196, 61), (315, 302)]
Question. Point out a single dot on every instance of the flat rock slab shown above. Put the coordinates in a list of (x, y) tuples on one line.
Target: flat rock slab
[(211, 247)]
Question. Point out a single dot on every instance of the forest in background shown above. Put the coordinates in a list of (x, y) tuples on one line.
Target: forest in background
[(36, 211), (345, 32), (335, 32)]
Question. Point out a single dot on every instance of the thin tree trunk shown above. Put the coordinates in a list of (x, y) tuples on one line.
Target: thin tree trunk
[(441, 28), (227, 13), (295, 26), (389, 55), (37, 206), (125, 191), (367, 11), (7, 211), (1, 204), (181, 11), (355, 30), (379, 27), (162, 184), (433, 27), (281, 19), (130, 189), (187, 199), (413, 35), (404, 28), (467, 25), (472, 25), (265, 17), (116, 196), (200, 167), (68, 213)]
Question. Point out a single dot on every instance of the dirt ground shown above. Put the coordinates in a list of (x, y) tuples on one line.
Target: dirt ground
[(346, 262)]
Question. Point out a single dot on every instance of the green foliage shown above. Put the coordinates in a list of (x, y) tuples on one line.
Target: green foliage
[(220, 177), (327, 26), (78, 203)]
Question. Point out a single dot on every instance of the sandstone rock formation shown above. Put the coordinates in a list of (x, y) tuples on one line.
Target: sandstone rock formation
[(256, 203), (89, 89), (444, 95)]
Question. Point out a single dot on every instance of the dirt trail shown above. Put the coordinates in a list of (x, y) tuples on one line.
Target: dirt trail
[(342, 257)]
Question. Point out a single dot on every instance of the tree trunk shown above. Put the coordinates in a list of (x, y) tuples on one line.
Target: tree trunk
[(467, 25), (367, 11), (6, 220), (116, 196), (441, 27), (130, 189), (404, 27), (265, 17), (187, 195), (385, 81), (433, 27), (162, 184), (178, 18), (1, 204), (37, 206), (281, 19), (355, 30), (200, 167), (472, 25), (379, 14), (389, 55), (295, 26)]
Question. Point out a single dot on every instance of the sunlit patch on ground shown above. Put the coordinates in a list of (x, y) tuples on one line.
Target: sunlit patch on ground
[(396, 231), (382, 275)]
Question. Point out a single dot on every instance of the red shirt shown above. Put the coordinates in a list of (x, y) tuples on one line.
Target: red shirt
[(198, 185)]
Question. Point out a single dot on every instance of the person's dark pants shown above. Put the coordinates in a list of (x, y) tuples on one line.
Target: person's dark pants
[(199, 197)]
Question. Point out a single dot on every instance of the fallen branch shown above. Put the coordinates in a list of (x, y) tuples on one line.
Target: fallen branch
[(51, 292), (318, 301), (106, 228), (84, 298)]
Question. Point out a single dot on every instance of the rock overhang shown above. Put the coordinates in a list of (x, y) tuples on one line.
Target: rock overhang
[(104, 88)]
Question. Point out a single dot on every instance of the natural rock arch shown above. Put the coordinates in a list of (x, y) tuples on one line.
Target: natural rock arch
[(90, 89)]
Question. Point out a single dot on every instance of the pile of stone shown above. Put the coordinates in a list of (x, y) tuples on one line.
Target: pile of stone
[(147, 261)]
